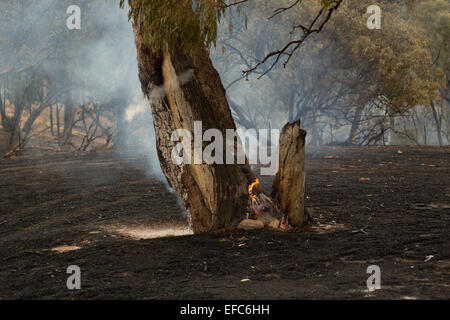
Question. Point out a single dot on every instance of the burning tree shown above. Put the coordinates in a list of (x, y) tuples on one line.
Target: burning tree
[(172, 39)]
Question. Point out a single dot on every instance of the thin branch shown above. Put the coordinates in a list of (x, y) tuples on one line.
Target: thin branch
[(287, 50), (225, 5), (280, 10)]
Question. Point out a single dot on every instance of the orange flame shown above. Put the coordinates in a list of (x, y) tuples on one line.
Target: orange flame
[(284, 224), (250, 192)]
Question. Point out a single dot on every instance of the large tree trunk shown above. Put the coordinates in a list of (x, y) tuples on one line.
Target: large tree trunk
[(15, 139), (120, 122), (69, 118), (355, 124), (437, 121), (215, 196)]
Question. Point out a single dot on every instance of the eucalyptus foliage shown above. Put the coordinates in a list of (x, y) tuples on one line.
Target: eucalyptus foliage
[(188, 23)]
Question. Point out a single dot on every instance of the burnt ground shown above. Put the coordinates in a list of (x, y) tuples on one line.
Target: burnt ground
[(107, 207)]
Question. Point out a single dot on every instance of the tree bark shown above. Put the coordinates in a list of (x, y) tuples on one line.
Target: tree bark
[(289, 185), (437, 122), (355, 124), (58, 124), (215, 196), (69, 118), (52, 132)]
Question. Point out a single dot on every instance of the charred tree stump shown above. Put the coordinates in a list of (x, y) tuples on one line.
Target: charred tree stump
[(289, 185)]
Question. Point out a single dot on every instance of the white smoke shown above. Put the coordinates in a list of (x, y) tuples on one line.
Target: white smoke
[(136, 108), (159, 92)]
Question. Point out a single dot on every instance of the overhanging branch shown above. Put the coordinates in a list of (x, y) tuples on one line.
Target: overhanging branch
[(316, 26)]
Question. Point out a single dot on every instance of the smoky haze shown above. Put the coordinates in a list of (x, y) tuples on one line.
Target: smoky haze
[(96, 64)]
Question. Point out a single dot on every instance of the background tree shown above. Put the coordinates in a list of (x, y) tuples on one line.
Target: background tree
[(57, 82), (348, 77)]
